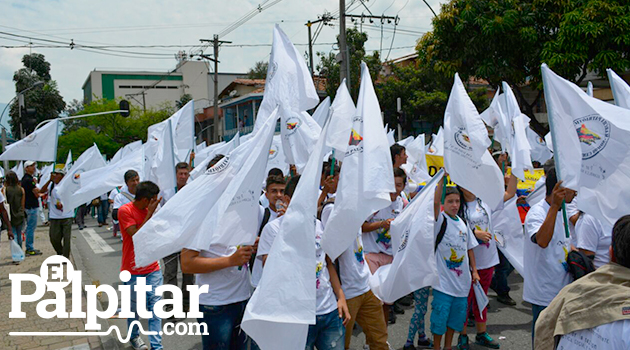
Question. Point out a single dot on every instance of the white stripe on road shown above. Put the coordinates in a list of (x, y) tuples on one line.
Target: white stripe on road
[(95, 241)]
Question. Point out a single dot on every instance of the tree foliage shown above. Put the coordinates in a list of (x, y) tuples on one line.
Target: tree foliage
[(258, 71)]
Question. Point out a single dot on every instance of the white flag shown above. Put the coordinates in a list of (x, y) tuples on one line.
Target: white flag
[(44, 175), (592, 147), (178, 223), (539, 150), (279, 321), (126, 150), (495, 117), (367, 177), (414, 264), (18, 169), (416, 167), (436, 148), (391, 140), (102, 180), (68, 164), (620, 89), (41, 145), (212, 151), (276, 156), (520, 150), (508, 233), (91, 159), (342, 111), (163, 166), (203, 154), (183, 130), (321, 113), (200, 147), (589, 89), (466, 156), (406, 141)]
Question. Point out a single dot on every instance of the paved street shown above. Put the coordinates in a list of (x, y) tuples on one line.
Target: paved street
[(100, 254)]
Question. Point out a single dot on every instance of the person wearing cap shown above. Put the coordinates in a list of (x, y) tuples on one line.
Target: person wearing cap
[(31, 204), (60, 223)]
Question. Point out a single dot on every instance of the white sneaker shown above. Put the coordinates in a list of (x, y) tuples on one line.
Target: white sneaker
[(138, 343)]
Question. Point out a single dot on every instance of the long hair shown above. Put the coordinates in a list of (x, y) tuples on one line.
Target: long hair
[(463, 206)]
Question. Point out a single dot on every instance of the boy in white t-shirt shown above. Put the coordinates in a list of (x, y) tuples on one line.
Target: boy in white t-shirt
[(456, 268)]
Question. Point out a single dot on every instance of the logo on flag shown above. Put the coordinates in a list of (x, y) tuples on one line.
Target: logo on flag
[(30, 138), (77, 176), (273, 152), (293, 124), (462, 140), (593, 132), (355, 138), (271, 71), (499, 238), (219, 167), (405, 239)]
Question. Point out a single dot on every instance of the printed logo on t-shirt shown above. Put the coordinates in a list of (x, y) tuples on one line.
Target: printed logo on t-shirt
[(454, 263), (359, 255), (384, 238), (318, 273), (486, 244), (564, 263)]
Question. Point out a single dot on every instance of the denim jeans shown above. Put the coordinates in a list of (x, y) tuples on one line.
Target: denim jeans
[(536, 310), (501, 272), (153, 279), (224, 327), (328, 333), (31, 224), (103, 211), (17, 233)]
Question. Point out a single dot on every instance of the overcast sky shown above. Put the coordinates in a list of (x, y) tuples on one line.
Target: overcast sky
[(181, 24)]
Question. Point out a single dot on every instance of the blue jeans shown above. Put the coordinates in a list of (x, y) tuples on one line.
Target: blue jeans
[(31, 224), (103, 211), (536, 310), (501, 272), (17, 233), (328, 333), (153, 279), (224, 327)]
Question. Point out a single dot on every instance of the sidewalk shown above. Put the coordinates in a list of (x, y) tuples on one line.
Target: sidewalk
[(33, 322)]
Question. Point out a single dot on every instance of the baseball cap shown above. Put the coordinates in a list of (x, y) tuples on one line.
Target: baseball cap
[(29, 163)]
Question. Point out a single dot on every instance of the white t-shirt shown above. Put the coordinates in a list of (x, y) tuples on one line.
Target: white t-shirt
[(257, 269), (572, 210), (610, 336), (2, 199), (53, 212), (121, 199), (452, 257), (596, 237), (546, 270), (113, 194), (167, 194), (354, 271), (480, 217), (226, 286), (263, 201), (379, 240)]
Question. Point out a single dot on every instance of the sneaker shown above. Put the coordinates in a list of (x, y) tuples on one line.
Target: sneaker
[(425, 344), (462, 342), (138, 343), (409, 347), (406, 301), (505, 299), (15, 263), (484, 339), (398, 309), (392, 316), (33, 252)]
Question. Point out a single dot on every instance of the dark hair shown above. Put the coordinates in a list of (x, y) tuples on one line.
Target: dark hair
[(289, 189), (621, 241), (398, 172), (275, 171), (463, 206), (182, 165), (275, 180), (130, 174), (326, 169), (12, 179), (549, 164), (551, 181), (395, 150), (214, 161), (146, 189)]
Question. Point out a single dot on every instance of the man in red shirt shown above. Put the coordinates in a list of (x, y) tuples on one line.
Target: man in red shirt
[(131, 217)]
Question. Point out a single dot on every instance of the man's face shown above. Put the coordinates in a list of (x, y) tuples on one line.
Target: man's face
[(144, 202), (132, 184), (56, 178), (273, 193), (451, 204), (401, 158), (182, 177), (30, 169), (400, 186)]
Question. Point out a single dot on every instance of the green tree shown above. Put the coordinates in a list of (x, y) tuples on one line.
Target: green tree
[(328, 66), (258, 71), (183, 100), (45, 99)]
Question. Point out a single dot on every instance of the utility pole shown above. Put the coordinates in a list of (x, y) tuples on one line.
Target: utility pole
[(344, 66), (4, 148), (215, 44), (325, 18)]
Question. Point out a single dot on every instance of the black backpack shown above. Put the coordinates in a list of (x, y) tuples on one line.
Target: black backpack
[(579, 264), (440, 235), (264, 222)]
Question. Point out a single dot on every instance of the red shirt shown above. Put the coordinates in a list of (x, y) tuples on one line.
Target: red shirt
[(129, 215)]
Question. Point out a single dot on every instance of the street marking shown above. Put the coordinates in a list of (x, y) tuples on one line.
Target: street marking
[(95, 241)]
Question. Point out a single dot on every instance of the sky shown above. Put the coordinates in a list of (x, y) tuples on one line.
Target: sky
[(180, 25)]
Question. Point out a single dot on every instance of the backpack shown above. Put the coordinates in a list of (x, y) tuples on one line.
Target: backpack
[(264, 222), (579, 264), (320, 209), (440, 235)]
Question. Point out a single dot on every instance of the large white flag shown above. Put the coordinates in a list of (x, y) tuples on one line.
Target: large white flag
[(183, 130), (125, 150), (539, 150), (620, 89), (520, 150), (276, 156), (212, 151), (367, 177), (416, 167), (290, 87), (102, 180), (592, 147), (41, 145), (68, 164), (321, 113), (342, 112), (508, 233), (91, 159), (466, 156), (179, 223), (436, 148), (414, 264), (163, 167), (495, 117), (279, 321), (201, 155)]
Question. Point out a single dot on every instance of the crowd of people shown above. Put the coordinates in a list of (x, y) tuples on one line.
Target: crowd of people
[(466, 254)]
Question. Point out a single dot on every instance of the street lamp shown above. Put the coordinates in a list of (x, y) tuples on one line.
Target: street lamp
[(36, 84)]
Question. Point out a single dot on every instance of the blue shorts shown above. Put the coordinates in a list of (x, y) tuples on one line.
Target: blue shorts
[(447, 311)]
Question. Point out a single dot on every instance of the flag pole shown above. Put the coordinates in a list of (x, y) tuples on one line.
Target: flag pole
[(332, 166), (194, 142), (555, 148), (443, 188)]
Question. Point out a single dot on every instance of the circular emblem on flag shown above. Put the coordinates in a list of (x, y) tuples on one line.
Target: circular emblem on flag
[(499, 238), (273, 152), (593, 132), (540, 141), (292, 125), (271, 71), (76, 177), (404, 241), (30, 138), (462, 140), (219, 167)]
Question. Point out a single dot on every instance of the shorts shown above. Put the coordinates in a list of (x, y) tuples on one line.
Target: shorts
[(447, 311), (376, 260)]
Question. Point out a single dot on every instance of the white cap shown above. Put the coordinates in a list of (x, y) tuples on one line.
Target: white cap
[(29, 163)]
